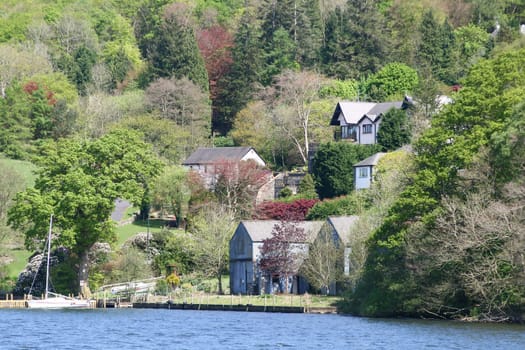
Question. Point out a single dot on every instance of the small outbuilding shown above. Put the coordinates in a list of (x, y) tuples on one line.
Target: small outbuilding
[(364, 171)]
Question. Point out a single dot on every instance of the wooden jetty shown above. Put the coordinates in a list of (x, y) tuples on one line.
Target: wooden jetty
[(240, 307)]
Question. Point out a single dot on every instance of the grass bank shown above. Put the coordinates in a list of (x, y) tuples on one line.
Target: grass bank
[(306, 300)]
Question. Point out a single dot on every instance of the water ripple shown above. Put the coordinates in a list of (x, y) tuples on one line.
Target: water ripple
[(123, 329)]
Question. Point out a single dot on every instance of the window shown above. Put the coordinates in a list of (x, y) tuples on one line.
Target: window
[(367, 128), (363, 172)]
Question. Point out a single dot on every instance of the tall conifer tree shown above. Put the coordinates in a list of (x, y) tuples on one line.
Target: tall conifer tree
[(236, 86)]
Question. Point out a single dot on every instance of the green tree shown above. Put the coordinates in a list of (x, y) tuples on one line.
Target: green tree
[(78, 182), (394, 130), (171, 192), (332, 167), (84, 59), (356, 40), (174, 51), (392, 82), (472, 43), (213, 228), (279, 57), (237, 86), (340, 206), (487, 102), (344, 89), (436, 47), (169, 140), (300, 20), (307, 187), (15, 131)]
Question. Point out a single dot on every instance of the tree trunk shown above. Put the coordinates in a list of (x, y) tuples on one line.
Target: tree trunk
[(83, 274), (219, 284)]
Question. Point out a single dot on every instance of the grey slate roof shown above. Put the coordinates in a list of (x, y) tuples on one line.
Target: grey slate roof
[(259, 230), (382, 108), (213, 155), (370, 161), (354, 111), (343, 225)]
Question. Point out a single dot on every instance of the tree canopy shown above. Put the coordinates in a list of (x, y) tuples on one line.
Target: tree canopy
[(78, 183)]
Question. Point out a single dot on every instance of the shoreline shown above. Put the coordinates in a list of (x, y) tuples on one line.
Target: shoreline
[(238, 307)]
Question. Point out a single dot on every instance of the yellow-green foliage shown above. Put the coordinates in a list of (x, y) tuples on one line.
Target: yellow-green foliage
[(173, 280)]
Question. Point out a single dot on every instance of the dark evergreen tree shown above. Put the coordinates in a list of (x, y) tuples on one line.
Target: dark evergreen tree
[(147, 21), (394, 131), (332, 167), (173, 51), (436, 47), (236, 87), (333, 53), (84, 59), (279, 57), (301, 20), (357, 41)]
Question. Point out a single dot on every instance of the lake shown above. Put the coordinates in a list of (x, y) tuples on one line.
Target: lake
[(183, 329)]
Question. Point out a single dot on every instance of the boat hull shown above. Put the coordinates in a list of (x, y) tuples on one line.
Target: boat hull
[(59, 303)]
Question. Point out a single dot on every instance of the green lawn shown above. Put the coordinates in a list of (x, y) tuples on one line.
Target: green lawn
[(25, 169), (127, 231), (20, 257)]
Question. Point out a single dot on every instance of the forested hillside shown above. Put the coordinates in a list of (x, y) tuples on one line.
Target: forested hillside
[(85, 67), (81, 80)]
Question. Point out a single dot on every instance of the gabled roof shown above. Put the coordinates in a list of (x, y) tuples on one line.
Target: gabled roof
[(382, 108), (259, 230), (213, 155), (353, 111), (370, 161), (343, 225)]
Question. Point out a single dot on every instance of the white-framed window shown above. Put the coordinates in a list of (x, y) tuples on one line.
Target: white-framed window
[(367, 128), (363, 172)]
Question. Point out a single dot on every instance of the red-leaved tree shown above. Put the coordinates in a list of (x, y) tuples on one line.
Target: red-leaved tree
[(296, 210), (214, 44), (283, 252)]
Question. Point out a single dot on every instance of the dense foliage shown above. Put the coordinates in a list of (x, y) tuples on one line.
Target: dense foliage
[(78, 182), (76, 74), (456, 178), (332, 167)]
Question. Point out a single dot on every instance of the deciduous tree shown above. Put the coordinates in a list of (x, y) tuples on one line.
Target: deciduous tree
[(213, 228), (291, 107), (78, 182), (324, 265), (282, 253), (237, 185), (171, 192)]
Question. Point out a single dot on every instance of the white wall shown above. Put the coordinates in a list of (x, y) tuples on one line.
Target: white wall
[(252, 155), (362, 182), (367, 139)]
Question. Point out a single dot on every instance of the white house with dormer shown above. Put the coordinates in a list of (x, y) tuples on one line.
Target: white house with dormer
[(359, 122)]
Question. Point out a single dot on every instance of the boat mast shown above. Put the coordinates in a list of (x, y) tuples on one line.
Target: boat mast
[(48, 254)]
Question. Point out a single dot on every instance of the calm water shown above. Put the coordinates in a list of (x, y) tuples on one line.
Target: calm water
[(180, 329)]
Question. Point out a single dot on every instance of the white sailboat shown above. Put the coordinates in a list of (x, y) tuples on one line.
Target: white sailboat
[(53, 300)]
